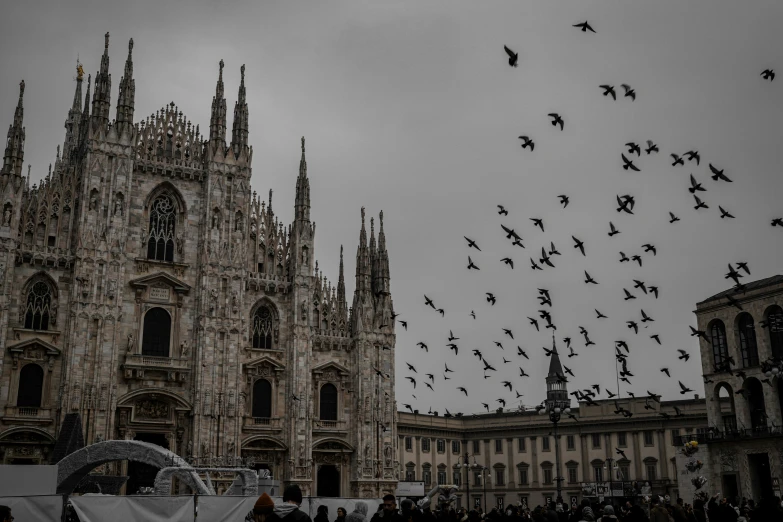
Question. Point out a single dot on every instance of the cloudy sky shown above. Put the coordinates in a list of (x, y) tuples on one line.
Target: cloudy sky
[(411, 108)]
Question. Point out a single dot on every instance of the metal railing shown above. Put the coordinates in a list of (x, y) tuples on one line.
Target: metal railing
[(715, 435)]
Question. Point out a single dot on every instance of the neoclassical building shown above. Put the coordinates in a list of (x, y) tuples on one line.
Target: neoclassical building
[(148, 288), (511, 455), (742, 361)]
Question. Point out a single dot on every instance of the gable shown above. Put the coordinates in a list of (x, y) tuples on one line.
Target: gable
[(32, 347), (160, 279), (331, 366)]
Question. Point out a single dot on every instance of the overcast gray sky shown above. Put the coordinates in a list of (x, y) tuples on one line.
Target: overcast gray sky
[(411, 108)]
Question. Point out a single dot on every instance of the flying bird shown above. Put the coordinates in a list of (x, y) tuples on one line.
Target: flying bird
[(624, 205), (451, 337), (502, 210), (768, 74), (563, 200), (683, 354), (654, 290), (579, 244), (491, 298), (472, 265), (424, 346), (508, 261), (545, 259), (600, 315), (412, 380), (404, 324), (428, 301), (411, 368), (724, 213), (472, 243), (527, 142), (718, 174), (650, 248), (584, 26), (693, 154), (646, 318), (463, 390), (509, 232), (628, 164), (666, 371), (612, 230), (589, 279), (637, 258), (633, 147), (673, 218), (609, 89), (629, 92), (699, 203), (677, 160), (683, 388), (651, 147), (508, 332), (777, 222), (538, 223), (521, 352), (534, 266), (553, 251), (656, 337), (743, 266), (513, 57), (556, 119), (628, 295), (695, 186)]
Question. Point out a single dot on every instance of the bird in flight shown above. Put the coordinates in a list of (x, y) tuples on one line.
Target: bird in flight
[(579, 244), (584, 26), (724, 213), (677, 160), (633, 147), (472, 243), (600, 315), (563, 200), (699, 203), (612, 230), (491, 298), (650, 248), (718, 174), (508, 332), (589, 279), (673, 218), (545, 259), (651, 147), (526, 141), (777, 222), (609, 89), (666, 371), (768, 74), (624, 205), (629, 92), (513, 57), (628, 164), (423, 346), (463, 390), (693, 154), (556, 120), (695, 186), (471, 264), (538, 223), (683, 388), (502, 210), (654, 290), (510, 232), (428, 301)]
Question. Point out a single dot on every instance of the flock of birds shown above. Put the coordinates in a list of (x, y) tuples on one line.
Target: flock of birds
[(488, 361)]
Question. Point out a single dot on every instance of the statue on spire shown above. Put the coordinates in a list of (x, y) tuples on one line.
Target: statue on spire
[(362, 216), (107, 40), (21, 89), (79, 71), (242, 70), (130, 46)]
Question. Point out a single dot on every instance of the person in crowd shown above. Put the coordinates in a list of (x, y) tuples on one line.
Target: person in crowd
[(322, 514), (389, 513), (608, 514), (289, 510), (658, 513), (262, 510), (341, 514), (359, 513), (5, 514), (678, 511)]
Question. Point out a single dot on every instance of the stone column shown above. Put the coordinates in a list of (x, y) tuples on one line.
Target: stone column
[(637, 456), (662, 455), (510, 464), (534, 462)]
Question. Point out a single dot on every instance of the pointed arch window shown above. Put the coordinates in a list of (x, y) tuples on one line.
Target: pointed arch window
[(30, 386), (157, 333), (720, 350), (775, 324), (747, 335), (38, 306), (262, 399), (160, 242), (263, 327), (328, 402)]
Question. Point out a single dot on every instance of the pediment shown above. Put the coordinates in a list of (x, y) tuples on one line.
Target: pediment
[(31, 344), (332, 444), (265, 361), (333, 366), (161, 278)]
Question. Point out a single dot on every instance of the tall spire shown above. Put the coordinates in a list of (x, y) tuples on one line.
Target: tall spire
[(101, 102), (382, 274), (127, 96), (74, 117), (217, 121), (302, 202), (14, 150), (241, 124), (85, 121), (362, 259), (341, 302), (555, 380)]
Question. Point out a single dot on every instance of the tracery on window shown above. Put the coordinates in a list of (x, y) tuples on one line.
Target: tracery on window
[(161, 236), (40, 308), (263, 330)]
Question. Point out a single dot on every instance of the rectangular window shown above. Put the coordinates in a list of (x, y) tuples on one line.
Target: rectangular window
[(441, 477), (572, 479), (427, 477), (410, 475), (598, 473), (425, 444), (523, 476), (547, 475), (477, 447), (408, 443), (648, 438), (651, 471), (596, 440), (675, 436), (441, 446), (455, 446), (498, 445), (622, 439), (625, 472), (545, 443), (521, 444), (570, 442), (476, 478), (457, 478), (500, 477)]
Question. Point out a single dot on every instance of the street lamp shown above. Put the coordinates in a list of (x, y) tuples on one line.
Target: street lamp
[(465, 463), (554, 408), (485, 476), (612, 468)]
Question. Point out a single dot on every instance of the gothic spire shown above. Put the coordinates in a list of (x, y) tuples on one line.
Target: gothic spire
[(341, 302), (84, 124), (14, 150), (127, 96), (383, 261), (362, 261), (555, 380), (74, 117), (217, 122), (241, 124), (302, 202), (373, 259), (555, 369), (101, 102)]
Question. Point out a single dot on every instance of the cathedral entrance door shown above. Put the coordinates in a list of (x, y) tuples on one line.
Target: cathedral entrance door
[(140, 474), (328, 481)]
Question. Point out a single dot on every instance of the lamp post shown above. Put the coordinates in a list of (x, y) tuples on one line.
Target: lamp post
[(465, 463), (612, 467), (554, 408), (485, 476)]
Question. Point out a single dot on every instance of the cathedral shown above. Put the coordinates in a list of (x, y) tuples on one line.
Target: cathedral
[(147, 288)]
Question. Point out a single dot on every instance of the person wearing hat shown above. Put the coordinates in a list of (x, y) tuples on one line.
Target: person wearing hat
[(262, 510)]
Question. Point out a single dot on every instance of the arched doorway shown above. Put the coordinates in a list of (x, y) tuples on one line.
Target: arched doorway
[(141, 474), (328, 481)]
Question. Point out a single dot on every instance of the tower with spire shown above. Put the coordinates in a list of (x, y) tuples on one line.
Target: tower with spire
[(556, 390), (158, 293)]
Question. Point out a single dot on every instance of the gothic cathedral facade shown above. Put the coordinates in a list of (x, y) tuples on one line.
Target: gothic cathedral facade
[(148, 288)]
